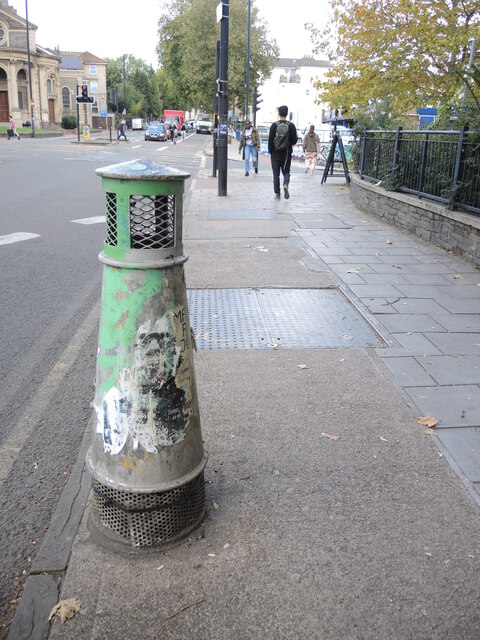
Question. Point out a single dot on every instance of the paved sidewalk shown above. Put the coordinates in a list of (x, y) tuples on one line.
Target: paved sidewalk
[(331, 512)]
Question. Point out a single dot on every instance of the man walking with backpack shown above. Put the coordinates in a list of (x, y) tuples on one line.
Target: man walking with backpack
[(282, 137)]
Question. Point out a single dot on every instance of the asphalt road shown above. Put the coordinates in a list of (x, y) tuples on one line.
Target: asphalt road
[(49, 307)]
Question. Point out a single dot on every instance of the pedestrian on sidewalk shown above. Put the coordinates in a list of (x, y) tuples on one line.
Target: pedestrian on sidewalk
[(282, 137), (310, 142), (121, 131), (13, 128), (250, 141), (173, 132)]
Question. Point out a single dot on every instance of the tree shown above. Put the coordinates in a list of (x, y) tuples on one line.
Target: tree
[(141, 89), (402, 50), (188, 33)]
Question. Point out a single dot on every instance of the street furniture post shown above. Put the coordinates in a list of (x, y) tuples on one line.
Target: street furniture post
[(147, 457)]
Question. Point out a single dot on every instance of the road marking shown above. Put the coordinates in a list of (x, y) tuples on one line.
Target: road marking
[(162, 148), (17, 237), (137, 146), (36, 410), (92, 220)]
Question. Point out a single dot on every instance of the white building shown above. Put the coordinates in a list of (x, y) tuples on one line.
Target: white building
[(291, 83)]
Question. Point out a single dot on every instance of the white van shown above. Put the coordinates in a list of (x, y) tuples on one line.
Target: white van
[(138, 124)]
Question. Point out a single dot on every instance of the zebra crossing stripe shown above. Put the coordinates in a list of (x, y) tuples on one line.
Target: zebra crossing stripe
[(92, 220), (17, 237)]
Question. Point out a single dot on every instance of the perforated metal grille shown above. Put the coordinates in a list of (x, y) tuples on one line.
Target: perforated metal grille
[(152, 222), (276, 318), (111, 216), (151, 519)]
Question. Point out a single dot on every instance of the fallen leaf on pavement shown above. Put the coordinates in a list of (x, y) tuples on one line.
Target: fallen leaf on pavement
[(388, 242), (354, 270), (330, 436), (65, 609), (428, 421), (428, 554), (397, 266), (383, 439), (302, 366), (458, 277), (347, 337), (215, 505)]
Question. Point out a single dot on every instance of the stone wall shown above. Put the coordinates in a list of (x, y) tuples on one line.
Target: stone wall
[(453, 230)]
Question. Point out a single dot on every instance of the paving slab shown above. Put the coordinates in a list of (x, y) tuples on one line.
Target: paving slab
[(454, 369), (454, 406), (413, 344), (460, 323), (456, 343), (411, 322), (417, 305), (464, 445), (407, 372)]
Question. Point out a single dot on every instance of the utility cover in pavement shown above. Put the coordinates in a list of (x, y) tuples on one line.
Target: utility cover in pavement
[(276, 318), (242, 214)]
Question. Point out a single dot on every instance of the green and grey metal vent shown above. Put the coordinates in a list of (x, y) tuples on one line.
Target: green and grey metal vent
[(143, 206), (152, 222)]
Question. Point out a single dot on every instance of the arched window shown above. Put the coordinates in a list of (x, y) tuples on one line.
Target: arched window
[(3, 74), (49, 86), (66, 99), (22, 89)]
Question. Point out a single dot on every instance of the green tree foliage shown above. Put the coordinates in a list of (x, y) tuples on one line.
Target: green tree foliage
[(141, 89), (402, 50), (188, 33)]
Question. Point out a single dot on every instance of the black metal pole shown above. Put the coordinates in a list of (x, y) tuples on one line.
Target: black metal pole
[(215, 112), (124, 98), (223, 102), (29, 71), (247, 86), (78, 119)]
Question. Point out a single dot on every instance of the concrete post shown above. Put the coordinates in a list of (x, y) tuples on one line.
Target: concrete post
[(147, 457)]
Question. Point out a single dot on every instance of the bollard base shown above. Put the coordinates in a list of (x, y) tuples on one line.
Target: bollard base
[(130, 522)]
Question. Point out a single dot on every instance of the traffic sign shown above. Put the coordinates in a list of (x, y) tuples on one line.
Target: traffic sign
[(103, 113)]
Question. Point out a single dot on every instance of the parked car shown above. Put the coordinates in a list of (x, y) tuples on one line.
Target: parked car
[(156, 131)]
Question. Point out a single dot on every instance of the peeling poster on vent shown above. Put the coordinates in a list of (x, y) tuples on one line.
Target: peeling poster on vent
[(150, 401)]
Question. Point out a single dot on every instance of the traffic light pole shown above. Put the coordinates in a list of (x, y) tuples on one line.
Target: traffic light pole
[(223, 101), (78, 119), (215, 112)]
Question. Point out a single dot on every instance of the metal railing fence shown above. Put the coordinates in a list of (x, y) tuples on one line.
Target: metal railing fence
[(438, 165)]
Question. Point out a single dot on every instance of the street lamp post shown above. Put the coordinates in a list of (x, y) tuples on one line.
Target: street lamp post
[(247, 86), (223, 99), (124, 93), (29, 72)]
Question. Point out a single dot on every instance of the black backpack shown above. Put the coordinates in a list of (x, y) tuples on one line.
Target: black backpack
[(282, 138)]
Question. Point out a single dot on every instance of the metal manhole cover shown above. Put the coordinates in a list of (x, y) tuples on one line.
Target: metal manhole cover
[(269, 318), (242, 214)]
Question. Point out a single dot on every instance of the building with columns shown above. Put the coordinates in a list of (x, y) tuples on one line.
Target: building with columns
[(55, 76)]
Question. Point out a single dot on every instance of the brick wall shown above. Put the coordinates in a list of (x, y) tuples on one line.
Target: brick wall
[(453, 230)]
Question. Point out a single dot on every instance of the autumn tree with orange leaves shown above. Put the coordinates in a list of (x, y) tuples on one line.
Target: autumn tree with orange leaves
[(404, 53)]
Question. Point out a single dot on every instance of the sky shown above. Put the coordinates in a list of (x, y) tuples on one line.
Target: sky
[(108, 29)]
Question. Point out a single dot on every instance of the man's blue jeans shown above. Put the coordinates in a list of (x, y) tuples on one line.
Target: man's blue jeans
[(251, 151)]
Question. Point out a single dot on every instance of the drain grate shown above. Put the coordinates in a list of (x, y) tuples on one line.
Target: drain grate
[(268, 318), (242, 214)]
